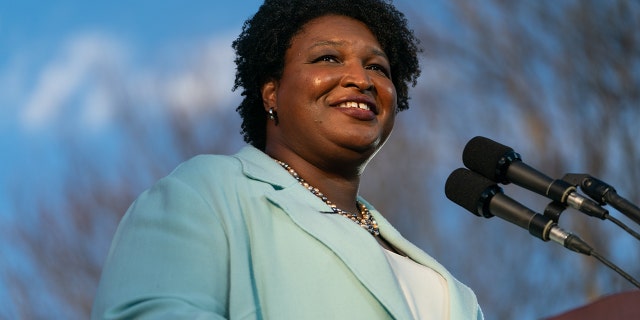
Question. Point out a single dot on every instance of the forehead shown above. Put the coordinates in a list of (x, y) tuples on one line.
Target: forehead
[(334, 30)]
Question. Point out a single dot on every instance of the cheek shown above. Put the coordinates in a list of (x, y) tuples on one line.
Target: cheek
[(391, 91), (388, 93), (324, 81)]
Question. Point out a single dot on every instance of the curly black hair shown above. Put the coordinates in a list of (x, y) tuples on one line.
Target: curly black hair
[(260, 49)]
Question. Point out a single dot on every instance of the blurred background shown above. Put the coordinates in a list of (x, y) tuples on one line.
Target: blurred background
[(100, 99)]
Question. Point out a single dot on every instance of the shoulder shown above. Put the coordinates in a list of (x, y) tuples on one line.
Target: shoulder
[(210, 168), (210, 174), (205, 164), (216, 165)]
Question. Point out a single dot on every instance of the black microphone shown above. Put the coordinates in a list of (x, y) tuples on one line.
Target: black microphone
[(485, 198), (503, 165)]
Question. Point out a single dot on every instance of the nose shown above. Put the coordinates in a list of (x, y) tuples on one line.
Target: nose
[(358, 77)]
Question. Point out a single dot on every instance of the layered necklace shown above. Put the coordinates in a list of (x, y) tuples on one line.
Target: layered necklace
[(365, 220)]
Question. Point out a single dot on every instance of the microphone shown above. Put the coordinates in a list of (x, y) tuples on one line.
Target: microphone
[(485, 198), (503, 165)]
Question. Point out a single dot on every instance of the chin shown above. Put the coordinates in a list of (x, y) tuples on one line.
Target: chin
[(366, 152), (366, 147)]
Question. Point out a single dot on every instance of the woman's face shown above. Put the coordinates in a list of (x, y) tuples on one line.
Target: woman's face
[(335, 97)]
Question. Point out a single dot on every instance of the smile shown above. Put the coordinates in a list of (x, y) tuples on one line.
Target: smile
[(353, 104)]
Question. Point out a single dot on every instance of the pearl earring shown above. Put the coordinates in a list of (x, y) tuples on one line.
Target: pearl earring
[(273, 115)]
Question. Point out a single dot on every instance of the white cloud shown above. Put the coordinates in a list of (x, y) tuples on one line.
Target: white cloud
[(66, 74), (207, 82), (98, 108), (84, 82)]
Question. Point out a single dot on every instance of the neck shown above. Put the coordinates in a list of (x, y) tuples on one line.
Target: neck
[(361, 216), (342, 192), (338, 182), (340, 189)]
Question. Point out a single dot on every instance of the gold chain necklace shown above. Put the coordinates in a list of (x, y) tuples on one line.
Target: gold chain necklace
[(365, 220)]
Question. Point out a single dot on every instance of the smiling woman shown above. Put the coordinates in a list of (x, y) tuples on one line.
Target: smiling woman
[(334, 65), (278, 230)]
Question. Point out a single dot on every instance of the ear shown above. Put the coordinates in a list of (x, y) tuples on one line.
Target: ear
[(269, 94)]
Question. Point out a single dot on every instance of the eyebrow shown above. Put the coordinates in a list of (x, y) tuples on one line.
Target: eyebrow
[(332, 43)]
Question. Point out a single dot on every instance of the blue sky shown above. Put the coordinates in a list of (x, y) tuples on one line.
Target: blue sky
[(29, 22), (47, 48)]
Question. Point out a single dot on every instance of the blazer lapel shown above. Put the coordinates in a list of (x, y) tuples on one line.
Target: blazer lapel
[(355, 246), (359, 251)]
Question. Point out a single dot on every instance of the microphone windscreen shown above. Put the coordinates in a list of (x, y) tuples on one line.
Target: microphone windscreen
[(465, 188), (483, 155)]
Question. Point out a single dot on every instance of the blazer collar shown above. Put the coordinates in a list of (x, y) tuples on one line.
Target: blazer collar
[(355, 246), (258, 165)]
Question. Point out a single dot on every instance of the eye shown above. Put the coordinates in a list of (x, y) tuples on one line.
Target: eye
[(379, 68), (326, 58)]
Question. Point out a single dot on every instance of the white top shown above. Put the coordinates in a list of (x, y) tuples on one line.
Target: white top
[(424, 289)]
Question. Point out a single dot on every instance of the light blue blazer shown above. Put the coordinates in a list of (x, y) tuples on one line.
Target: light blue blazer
[(236, 237)]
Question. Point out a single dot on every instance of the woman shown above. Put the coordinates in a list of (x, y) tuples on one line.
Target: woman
[(278, 231)]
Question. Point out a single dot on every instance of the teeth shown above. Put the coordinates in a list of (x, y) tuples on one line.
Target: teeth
[(352, 104)]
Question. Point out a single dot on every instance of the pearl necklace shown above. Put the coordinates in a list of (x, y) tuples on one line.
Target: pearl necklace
[(366, 221)]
